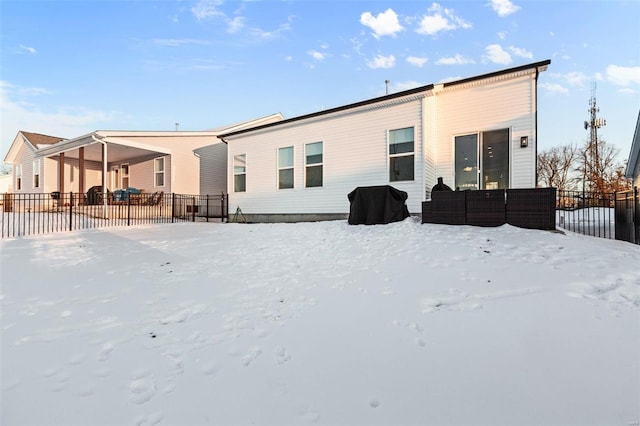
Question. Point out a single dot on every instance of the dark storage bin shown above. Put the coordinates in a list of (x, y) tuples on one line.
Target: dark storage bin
[(532, 208), (448, 207), (486, 208)]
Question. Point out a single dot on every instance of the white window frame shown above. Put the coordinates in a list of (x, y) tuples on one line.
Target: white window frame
[(307, 165), (18, 177), (123, 175), (157, 173), (238, 172), (401, 154), (36, 173), (291, 167)]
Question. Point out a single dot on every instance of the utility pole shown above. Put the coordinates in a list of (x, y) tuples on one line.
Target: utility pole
[(593, 158)]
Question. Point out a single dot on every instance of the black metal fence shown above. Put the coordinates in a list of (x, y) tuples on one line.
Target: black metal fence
[(587, 213), (32, 214), (605, 215)]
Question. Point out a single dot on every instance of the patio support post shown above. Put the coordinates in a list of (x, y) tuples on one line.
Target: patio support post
[(61, 173), (81, 176), (104, 176)]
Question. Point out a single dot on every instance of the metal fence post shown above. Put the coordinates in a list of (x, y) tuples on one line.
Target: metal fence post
[(71, 211), (207, 212), (173, 207), (193, 209)]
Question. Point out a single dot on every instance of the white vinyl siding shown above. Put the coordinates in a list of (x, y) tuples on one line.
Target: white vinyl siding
[(213, 169), (484, 107), (354, 154)]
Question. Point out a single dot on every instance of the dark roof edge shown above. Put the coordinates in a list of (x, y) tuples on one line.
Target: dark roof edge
[(501, 72), (389, 97)]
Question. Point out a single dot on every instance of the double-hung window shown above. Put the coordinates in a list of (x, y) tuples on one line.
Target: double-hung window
[(36, 173), (285, 167), (18, 177), (313, 164), (124, 168), (401, 155), (158, 171), (240, 173)]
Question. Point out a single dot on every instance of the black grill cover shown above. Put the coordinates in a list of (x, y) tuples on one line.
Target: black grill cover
[(373, 205)]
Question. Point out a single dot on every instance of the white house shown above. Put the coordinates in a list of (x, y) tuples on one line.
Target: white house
[(633, 163), (476, 133)]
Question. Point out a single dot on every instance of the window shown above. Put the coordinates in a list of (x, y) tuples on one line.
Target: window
[(240, 173), (158, 171), (401, 155), (36, 173), (313, 164), (285, 167), (124, 168), (18, 177)]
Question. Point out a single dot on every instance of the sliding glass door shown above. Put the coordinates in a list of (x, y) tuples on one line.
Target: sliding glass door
[(482, 160)]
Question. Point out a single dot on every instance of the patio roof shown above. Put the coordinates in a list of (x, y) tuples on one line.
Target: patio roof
[(119, 148)]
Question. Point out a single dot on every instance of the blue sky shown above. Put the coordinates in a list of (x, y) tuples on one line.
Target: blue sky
[(71, 67)]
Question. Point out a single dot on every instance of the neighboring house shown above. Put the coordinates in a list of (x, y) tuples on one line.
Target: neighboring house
[(170, 161), (633, 163), (27, 171), (6, 183), (476, 133)]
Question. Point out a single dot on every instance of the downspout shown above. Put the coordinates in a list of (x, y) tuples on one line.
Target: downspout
[(535, 127), (104, 175)]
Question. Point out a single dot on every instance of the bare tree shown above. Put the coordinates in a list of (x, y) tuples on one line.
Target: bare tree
[(555, 167), (5, 169), (600, 168)]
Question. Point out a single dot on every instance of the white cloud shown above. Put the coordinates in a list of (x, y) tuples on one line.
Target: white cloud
[(205, 9), (384, 24), (29, 49), (554, 88), (623, 76), (523, 53), (576, 78), (496, 54), (627, 91), (502, 35), (455, 60), (270, 35), (19, 113), (236, 24), (504, 7), (441, 19), (417, 61), (382, 62), (318, 56)]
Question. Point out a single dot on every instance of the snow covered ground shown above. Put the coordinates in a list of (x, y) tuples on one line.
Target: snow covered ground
[(319, 323)]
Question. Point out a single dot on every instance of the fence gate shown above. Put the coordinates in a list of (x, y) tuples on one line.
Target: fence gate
[(627, 216)]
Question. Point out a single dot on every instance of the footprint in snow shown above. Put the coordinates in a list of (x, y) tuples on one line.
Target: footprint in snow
[(251, 355), (280, 355)]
